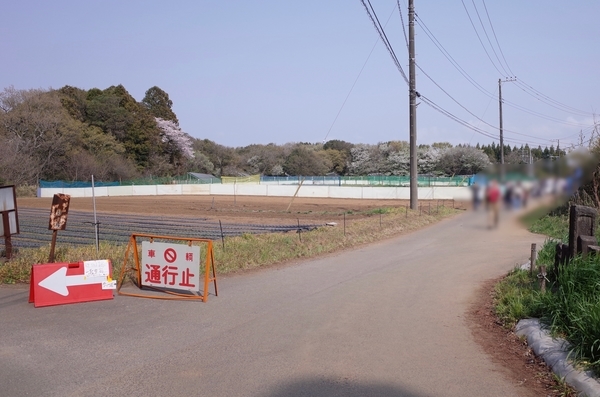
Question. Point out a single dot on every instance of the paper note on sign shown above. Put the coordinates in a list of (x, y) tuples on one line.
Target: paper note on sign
[(109, 284), (93, 269)]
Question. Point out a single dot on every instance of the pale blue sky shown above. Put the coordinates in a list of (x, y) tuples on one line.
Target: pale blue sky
[(261, 71)]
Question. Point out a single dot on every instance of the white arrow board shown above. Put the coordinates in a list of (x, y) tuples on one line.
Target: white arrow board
[(59, 282)]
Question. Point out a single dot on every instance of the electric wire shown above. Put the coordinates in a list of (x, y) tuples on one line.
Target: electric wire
[(474, 115), (525, 87), (479, 37), (402, 21), (488, 37), (466, 75), (496, 38), (373, 16)]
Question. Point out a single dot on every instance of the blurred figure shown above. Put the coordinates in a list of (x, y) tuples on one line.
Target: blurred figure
[(476, 189), (493, 203)]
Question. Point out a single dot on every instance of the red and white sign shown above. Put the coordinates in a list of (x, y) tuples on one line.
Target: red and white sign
[(62, 283), (174, 266)]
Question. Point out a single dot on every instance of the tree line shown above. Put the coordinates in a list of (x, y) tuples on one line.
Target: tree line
[(71, 133)]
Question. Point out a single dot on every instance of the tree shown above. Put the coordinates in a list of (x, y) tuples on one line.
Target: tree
[(34, 125), (118, 113), (465, 160), (159, 105), (260, 159), (342, 146), (338, 160), (303, 161), (220, 156)]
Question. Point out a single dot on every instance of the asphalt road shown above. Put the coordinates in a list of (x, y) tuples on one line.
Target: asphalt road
[(383, 320)]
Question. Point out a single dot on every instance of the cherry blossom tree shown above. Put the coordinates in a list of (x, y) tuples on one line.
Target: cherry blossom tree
[(178, 142)]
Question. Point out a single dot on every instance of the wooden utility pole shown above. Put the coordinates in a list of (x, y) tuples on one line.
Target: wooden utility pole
[(414, 199), (500, 81), (501, 134)]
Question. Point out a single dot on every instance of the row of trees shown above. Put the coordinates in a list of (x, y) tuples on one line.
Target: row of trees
[(71, 134)]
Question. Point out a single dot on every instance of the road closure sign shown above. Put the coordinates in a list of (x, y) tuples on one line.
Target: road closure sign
[(173, 266)]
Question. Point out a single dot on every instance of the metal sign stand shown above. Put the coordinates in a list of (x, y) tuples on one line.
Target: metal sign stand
[(10, 218)]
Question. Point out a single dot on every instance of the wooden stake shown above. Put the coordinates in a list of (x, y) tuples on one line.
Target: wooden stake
[(7, 239), (542, 277), (222, 237), (52, 245), (532, 258)]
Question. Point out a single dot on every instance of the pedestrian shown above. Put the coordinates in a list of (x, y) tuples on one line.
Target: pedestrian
[(493, 200), (475, 188)]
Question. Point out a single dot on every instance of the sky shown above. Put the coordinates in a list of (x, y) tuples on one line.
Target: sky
[(243, 72)]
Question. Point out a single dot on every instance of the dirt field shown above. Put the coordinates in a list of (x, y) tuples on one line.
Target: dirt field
[(247, 209)]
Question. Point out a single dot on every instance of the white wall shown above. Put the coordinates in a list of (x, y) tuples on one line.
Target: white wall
[(354, 192)]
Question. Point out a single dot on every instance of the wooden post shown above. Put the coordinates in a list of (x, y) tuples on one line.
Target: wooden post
[(344, 223), (380, 220), (299, 231), (52, 245), (222, 237), (542, 277), (532, 258), (7, 239)]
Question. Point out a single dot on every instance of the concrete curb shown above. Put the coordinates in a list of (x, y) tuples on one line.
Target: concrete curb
[(555, 353)]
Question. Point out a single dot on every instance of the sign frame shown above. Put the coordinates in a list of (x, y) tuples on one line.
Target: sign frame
[(8, 206), (134, 271)]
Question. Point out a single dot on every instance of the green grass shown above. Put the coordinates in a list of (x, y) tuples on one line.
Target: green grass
[(516, 297), (570, 307), (556, 227)]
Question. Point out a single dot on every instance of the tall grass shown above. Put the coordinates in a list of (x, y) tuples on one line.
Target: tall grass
[(572, 308), (516, 297)]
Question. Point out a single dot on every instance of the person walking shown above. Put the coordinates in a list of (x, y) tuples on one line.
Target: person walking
[(493, 200)]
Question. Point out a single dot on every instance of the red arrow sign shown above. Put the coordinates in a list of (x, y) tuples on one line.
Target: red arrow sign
[(62, 283)]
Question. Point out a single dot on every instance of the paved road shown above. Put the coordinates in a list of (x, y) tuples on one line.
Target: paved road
[(383, 320)]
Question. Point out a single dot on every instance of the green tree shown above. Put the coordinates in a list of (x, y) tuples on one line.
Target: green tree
[(159, 105), (303, 161)]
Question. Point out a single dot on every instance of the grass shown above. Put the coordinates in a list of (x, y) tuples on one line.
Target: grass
[(570, 307), (516, 297), (556, 227), (250, 251)]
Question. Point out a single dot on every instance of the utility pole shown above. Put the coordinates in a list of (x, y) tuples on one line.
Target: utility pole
[(501, 134), (414, 199), (500, 81)]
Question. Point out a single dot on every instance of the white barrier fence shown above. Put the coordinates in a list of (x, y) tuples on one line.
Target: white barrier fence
[(314, 191)]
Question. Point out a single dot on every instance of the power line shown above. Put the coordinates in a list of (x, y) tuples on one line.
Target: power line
[(402, 20), (373, 16), (466, 75), (496, 37), (356, 80), (488, 37), (526, 88), (473, 114)]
